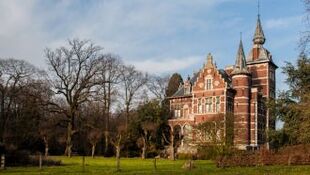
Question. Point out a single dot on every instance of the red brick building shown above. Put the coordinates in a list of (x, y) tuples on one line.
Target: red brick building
[(241, 89)]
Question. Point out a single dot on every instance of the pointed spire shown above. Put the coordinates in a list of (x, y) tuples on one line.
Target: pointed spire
[(240, 65), (259, 37), (210, 61)]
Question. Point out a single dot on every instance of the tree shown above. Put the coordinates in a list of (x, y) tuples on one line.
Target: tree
[(132, 81), (92, 123), (305, 39), (292, 106), (110, 76), (94, 136), (15, 75), (174, 84), (74, 68), (117, 140), (148, 119), (158, 85)]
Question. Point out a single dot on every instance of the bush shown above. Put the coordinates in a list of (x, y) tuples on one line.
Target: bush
[(290, 155), (16, 157), (212, 152), (186, 156)]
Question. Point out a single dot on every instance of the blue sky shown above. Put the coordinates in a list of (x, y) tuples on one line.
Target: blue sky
[(158, 36)]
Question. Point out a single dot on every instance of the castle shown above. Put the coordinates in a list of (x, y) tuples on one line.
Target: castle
[(242, 90)]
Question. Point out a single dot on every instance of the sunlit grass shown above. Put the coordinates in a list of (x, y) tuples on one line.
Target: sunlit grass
[(100, 165)]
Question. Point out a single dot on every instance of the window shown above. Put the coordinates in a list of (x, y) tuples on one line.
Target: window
[(177, 113), (199, 106), (217, 104), (208, 84), (187, 90), (209, 104)]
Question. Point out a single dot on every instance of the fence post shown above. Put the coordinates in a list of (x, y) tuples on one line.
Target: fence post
[(40, 161), (83, 163), (155, 167)]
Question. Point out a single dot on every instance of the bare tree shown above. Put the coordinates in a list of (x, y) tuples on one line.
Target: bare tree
[(74, 68), (110, 75), (91, 117), (305, 38), (15, 75), (132, 81), (158, 85), (94, 136), (149, 129), (117, 139)]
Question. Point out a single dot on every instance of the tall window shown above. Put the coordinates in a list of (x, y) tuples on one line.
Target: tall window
[(209, 104), (177, 112), (217, 104), (208, 83), (199, 106)]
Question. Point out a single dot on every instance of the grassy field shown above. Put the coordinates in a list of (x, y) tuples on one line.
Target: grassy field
[(101, 165)]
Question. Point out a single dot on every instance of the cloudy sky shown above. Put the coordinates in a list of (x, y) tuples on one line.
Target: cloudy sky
[(158, 36)]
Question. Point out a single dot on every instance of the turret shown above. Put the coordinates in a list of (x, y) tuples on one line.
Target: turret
[(241, 81)]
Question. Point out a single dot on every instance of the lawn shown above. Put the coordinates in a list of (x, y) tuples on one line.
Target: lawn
[(101, 165)]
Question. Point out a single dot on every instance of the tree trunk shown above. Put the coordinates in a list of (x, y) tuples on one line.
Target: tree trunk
[(69, 140), (2, 120), (144, 149), (93, 148), (46, 150), (144, 138), (46, 146), (118, 151), (172, 154), (106, 142), (127, 115)]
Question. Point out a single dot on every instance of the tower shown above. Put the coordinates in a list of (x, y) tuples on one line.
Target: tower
[(241, 82), (262, 69)]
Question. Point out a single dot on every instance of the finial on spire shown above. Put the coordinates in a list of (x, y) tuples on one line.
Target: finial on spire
[(210, 61), (258, 8), (259, 37)]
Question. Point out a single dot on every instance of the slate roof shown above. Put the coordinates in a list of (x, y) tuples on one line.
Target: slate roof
[(180, 91), (226, 77)]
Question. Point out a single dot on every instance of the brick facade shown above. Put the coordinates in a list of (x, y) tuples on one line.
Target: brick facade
[(242, 89)]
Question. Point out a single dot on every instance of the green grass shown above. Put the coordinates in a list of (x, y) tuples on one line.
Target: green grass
[(101, 165)]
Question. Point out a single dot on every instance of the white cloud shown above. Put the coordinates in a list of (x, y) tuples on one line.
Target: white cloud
[(285, 22), (167, 65)]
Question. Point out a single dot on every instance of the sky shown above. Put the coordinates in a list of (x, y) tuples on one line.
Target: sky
[(157, 36)]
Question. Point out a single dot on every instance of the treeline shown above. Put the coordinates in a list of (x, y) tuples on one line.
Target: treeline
[(87, 103)]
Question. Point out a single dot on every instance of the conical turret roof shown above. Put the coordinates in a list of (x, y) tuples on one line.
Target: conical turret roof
[(259, 37), (240, 65)]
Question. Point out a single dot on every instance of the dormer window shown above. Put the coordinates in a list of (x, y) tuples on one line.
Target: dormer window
[(208, 83), (187, 90)]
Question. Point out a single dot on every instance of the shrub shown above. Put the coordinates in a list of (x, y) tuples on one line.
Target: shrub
[(212, 152), (290, 155), (186, 156), (16, 157)]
